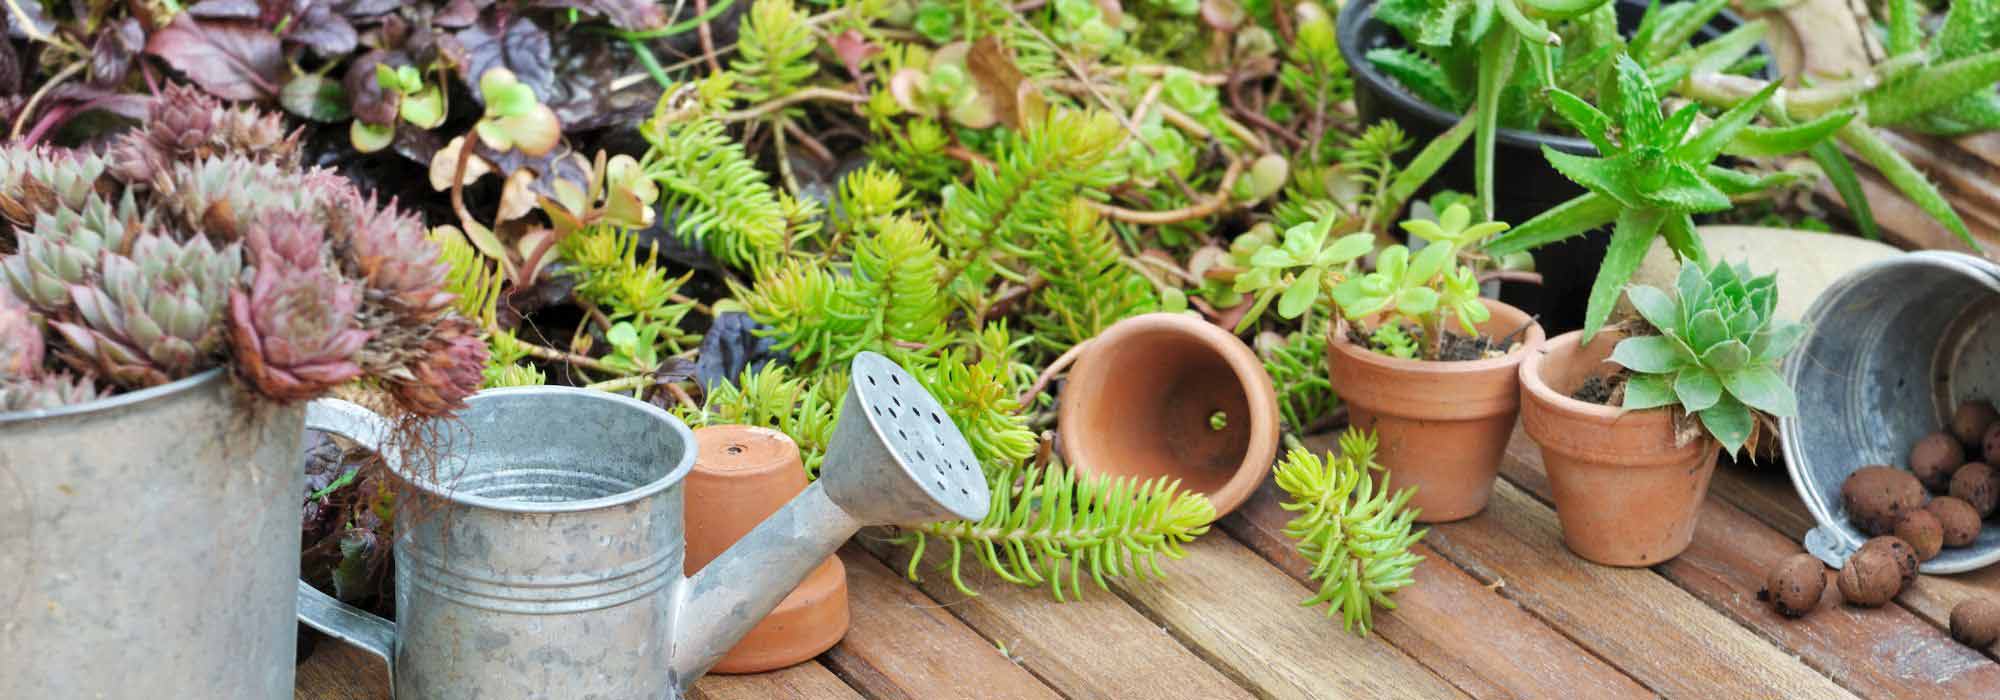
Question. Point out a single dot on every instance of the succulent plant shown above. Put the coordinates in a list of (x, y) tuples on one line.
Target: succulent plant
[(66, 248), (219, 197), (390, 250), (185, 125), (448, 366), (1717, 353), (155, 315), (1357, 536), (51, 390), (294, 331), (20, 339), (35, 181)]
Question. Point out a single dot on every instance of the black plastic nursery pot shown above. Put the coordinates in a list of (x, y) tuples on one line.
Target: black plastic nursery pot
[(1524, 184)]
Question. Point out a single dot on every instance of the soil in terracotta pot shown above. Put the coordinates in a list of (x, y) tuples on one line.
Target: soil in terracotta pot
[(1456, 347), (1603, 389)]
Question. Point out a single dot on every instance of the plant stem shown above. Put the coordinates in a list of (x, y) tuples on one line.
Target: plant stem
[(1216, 202), (792, 98), (553, 355)]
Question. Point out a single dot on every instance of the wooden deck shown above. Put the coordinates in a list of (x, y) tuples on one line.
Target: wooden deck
[(1499, 610)]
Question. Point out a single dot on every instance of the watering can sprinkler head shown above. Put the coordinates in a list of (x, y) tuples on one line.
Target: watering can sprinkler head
[(895, 458)]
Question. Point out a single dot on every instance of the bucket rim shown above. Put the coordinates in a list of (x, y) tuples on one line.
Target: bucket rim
[(115, 401)]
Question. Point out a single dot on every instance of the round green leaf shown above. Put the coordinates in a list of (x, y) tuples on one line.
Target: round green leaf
[(1697, 389), (315, 97), (1299, 296)]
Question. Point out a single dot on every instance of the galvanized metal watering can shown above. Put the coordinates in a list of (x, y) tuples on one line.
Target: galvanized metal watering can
[(550, 564)]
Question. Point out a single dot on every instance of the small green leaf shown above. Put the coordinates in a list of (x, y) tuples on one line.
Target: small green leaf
[(369, 138), (1643, 391), (1703, 148), (1428, 264), (1587, 119), (1347, 249), (1416, 301), (425, 108), (1726, 356), (315, 97), (1729, 423), (1761, 388), (1299, 295), (1697, 388), (1649, 354)]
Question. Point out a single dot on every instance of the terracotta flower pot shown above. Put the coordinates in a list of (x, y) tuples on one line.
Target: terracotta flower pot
[(742, 475), (1143, 398), (1442, 426), (1625, 493)]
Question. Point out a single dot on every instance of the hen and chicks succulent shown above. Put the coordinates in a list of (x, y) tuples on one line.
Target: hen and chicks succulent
[(197, 241)]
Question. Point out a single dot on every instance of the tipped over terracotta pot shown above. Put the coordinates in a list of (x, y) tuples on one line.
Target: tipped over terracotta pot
[(742, 475), (1172, 395), (1626, 493), (1442, 426)]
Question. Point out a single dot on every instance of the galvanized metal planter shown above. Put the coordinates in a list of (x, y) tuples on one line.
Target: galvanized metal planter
[(1891, 348), (545, 559), (158, 529)]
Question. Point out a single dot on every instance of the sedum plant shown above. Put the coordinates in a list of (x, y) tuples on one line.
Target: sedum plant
[(1356, 535), (1717, 352), (289, 277)]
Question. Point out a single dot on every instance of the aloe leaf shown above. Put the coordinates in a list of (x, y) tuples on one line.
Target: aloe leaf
[(1933, 87), (1611, 177), (1703, 148), (1679, 233), (1840, 173), (1718, 54), (1428, 161), (1906, 178), (1904, 33), (1970, 26), (1418, 74), (1588, 120), (1759, 142), (1496, 64), (1630, 239), (1567, 220), (1681, 189)]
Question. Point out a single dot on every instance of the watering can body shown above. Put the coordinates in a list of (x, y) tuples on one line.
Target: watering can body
[(551, 566)]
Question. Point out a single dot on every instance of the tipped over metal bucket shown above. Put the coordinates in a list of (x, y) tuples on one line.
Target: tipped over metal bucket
[(1891, 348)]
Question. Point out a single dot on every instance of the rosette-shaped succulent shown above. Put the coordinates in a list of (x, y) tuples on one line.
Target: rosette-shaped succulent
[(391, 251), (66, 248), (221, 196), (154, 316), (51, 390), (448, 367), (294, 331), (1717, 353), (36, 181), (20, 339), (287, 240), (186, 125)]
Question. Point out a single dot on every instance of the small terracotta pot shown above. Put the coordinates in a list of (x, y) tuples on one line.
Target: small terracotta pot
[(1140, 399), (742, 475), (1625, 493), (1441, 426)]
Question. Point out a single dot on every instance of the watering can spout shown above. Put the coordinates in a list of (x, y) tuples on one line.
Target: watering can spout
[(894, 458)]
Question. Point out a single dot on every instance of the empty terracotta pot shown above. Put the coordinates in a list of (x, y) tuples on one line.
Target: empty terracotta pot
[(1441, 426), (1172, 395), (741, 476), (1625, 493)]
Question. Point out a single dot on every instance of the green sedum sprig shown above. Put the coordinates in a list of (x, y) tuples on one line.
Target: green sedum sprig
[(1357, 537), (1050, 526), (1717, 353)]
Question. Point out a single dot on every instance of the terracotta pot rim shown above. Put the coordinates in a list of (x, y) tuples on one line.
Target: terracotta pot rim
[(1533, 339), (1241, 360), (1532, 382)]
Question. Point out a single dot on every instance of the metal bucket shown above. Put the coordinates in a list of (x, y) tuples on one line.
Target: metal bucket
[(1891, 348), (148, 544)]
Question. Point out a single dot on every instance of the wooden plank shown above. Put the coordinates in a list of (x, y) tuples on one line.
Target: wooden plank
[(904, 646), (1472, 636), (807, 681), (337, 671), (1884, 652), (1767, 493), (1242, 614), (1096, 647), (1634, 619)]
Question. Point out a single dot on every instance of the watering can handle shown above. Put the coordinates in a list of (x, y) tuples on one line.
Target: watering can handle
[(323, 612)]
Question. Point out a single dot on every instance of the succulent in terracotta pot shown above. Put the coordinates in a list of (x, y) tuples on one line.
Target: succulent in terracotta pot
[(1418, 356), (1629, 423)]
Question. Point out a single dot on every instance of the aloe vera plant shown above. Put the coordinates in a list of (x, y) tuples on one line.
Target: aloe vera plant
[(1656, 172), (1717, 352)]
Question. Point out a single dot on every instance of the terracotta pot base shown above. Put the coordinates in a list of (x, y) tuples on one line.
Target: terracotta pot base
[(1625, 493), (1140, 401), (742, 476), (1441, 427)]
